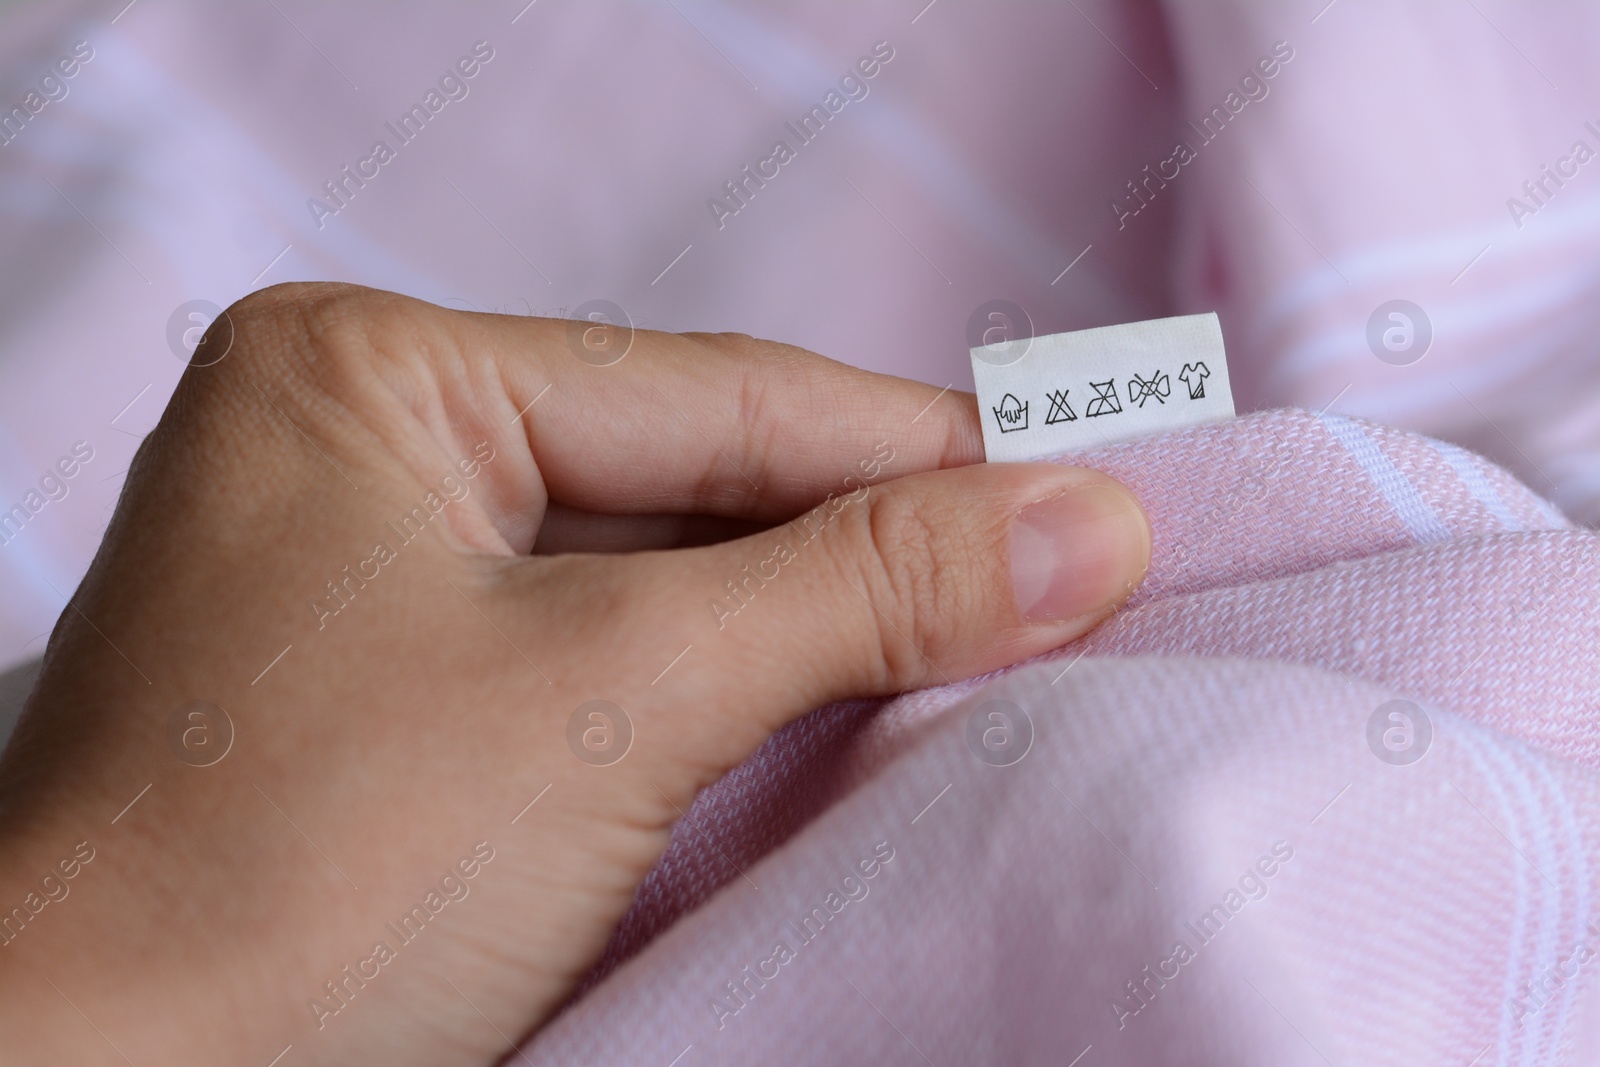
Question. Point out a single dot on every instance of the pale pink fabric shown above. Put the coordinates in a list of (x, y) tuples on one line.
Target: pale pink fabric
[(578, 167), (990, 153), (1307, 570), (1387, 164)]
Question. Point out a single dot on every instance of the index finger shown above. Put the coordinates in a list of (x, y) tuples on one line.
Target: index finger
[(718, 424)]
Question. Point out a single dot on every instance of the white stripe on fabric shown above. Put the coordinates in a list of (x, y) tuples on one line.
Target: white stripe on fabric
[(1509, 1032), (793, 70), (1468, 469), (1383, 265), (1562, 803), (1543, 1031), (1396, 488)]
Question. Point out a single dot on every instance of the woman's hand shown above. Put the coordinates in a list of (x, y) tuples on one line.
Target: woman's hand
[(403, 549)]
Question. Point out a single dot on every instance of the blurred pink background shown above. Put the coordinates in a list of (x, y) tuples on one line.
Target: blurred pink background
[(985, 160)]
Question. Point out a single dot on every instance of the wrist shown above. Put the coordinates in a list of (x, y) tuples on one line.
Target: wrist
[(92, 935)]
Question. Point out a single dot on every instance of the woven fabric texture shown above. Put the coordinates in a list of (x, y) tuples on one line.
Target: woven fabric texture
[(1110, 890)]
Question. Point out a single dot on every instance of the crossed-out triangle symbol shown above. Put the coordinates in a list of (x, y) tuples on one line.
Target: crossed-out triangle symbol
[(1060, 410)]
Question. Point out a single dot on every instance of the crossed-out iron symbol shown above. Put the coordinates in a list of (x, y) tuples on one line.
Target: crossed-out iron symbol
[(1159, 386)]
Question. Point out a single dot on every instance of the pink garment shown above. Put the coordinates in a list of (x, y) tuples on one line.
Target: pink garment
[(1307, 571), (993, 153)]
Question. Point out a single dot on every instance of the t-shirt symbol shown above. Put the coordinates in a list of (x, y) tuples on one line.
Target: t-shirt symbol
[(1060, 410), (1012, 414), (1159, 386), (1105, 400), (1194, 375)]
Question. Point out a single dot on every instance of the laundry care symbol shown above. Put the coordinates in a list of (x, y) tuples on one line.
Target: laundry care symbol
[(1012, 414), (1159, 386), (1060, 410), (1194, 375), (1105, 400)]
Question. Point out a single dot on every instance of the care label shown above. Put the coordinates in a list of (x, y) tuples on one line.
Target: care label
[(1041, 396)]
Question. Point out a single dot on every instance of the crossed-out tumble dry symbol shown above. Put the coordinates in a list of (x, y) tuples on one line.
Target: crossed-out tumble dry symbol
[(1158, 386)]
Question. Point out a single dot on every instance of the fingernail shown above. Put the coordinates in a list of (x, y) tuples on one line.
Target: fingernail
[(1078, 552)]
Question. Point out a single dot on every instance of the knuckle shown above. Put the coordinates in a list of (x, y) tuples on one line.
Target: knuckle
[(335, 360), (901, 545), (764, 440), (347, 332), (294, 311), (331, 339)]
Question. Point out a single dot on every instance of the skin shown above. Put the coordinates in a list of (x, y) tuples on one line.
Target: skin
[(396, 735)]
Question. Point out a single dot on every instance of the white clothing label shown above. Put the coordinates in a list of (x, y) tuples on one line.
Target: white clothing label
[(1068, 392)]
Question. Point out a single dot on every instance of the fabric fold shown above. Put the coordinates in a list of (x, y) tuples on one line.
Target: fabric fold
[(1221, 841)]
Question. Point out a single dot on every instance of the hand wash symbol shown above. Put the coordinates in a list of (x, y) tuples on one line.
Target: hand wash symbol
[(1012, 414)]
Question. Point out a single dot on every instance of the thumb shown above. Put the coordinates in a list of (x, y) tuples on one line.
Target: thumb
[(920, 581)]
